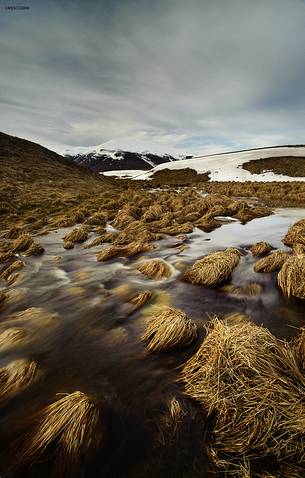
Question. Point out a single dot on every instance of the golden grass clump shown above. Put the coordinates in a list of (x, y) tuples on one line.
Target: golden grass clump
[(185, 228), (141, 299), (253, 288), (298, 248), (260, 248), (169, 329), (78, 234), (97, 219), (153, 213), (271, 263), (129, 250), (2, 298), (11, 268), (295, 234), (249, 382), (71, 424), (214, 268), (110, 252), (291, 278), (136, 247), (5, 256), (16, 376), (68, 245), (11, 337), (13, 232), (35, 249), (155, 269), (22, 243), (207, 223)]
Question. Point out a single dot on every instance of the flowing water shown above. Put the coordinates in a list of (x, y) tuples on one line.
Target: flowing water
[(87, 336)]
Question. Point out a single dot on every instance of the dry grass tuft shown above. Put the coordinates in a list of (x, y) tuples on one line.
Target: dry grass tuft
[(291, 278), (250, 289), (260, 248), (207, 223), (106, 237), (78, 234), (68, 245), (22, 243), (249, 382), (214, 268), (11, 337), (153, 213), (141, 299), (6, 256), (71, 425), (13, 232), (129, 250), (156, 269), (298, 248), (296, 234), (16, 377), (169, 329), (35, 249), (2, 298), (271, 263), (110, 252), (97, 219), (185, 228), (10, 269)]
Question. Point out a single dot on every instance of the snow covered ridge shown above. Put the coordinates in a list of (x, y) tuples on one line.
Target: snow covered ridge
[(228, 166), (100, 159)]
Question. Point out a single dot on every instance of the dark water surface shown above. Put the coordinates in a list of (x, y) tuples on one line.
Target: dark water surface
[(87, 337)]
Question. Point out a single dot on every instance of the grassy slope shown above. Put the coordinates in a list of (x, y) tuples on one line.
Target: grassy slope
[(35, 179), (289, 166)]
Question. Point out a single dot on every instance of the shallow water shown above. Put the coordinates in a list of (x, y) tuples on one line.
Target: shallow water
[(92, 342)]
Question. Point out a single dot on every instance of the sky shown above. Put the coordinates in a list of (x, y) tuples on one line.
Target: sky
[(178, 76)]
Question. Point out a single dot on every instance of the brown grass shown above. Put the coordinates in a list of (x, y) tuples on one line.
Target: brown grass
[(78, 234), (291, 278), (13, 232), (141, 299), (69, 423), (11, 337), (22, 243), (261, 248), (11, 268), (129, 250), (155, 212), (110, 252), (156, 269), (271, 263), (250, 289), (106, 237), (207, 223), (35, 249), (295, 234), (214, 268), (292, 166), (298, 248), (2, 298), (97, 219), (68, 245), (6, 256), (185, 228), (16, 377), (249, 382), (169, 329)]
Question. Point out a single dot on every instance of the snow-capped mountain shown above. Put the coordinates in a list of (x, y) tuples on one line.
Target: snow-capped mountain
[(101, 159)]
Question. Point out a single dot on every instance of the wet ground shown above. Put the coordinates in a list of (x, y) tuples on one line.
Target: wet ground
[(72, 283)]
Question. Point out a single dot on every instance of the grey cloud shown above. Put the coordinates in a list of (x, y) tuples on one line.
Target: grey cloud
[(198, 74)]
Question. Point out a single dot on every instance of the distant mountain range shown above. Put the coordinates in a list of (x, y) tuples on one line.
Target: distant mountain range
[(100, 159)]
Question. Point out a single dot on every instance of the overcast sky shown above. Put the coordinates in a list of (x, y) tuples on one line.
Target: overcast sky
[(177, 75)]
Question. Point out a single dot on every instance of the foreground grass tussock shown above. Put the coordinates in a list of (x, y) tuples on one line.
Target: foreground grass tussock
[(296, 234), (260, 248), (250, 382), (16, 376), (169, 329), (213, 269), (291, 278), (70, 424), (271, 263), (155, 269)]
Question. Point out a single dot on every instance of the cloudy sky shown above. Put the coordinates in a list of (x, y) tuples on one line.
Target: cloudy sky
[(172, 75)]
